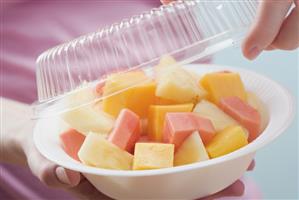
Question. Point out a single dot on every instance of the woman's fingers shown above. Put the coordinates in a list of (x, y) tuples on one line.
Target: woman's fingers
[(85, 190), (251, 166), (236, 189), (51, 174), (288, 36), (270, 17)]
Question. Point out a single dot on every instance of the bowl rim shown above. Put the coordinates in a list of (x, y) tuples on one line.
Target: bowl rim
[(252, 147)]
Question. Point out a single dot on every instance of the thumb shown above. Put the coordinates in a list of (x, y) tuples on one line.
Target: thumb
[(270, 17)]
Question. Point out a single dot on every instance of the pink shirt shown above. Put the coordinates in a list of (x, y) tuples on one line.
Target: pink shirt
[(27, 29)]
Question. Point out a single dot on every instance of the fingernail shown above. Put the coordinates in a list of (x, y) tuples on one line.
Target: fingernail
[(254, 52), (62, 176)]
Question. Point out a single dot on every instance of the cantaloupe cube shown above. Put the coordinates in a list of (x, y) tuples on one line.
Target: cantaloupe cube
[(219, 85), (153, 156), (242, 112), (179, 126), (71, 141), (219, 119), (178, 85), (156, 118), (257, 103), (98, 152), (126, 130), (192, 150), (162, 101), (88, 117), (227, 141), (133, 90)]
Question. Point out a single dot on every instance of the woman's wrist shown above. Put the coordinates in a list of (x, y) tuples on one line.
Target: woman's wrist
[(16, 128)]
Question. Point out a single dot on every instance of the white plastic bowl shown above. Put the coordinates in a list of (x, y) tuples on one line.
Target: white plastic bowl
[(184, 182)]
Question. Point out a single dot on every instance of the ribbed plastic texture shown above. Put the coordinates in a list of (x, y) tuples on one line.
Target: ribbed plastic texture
[(187, 30)]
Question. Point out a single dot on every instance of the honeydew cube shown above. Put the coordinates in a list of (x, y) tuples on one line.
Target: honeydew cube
[(227, 141), (156, 118), (179, 126), (71, 141), (84, 116), (96, 151), (192, 150), (132, 90), (219, 119), (223, 84), (242, 112), (257, 103), (126, 130), (153, 156)]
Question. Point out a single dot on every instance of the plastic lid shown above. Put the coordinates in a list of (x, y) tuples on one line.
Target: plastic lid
[(186, 30)]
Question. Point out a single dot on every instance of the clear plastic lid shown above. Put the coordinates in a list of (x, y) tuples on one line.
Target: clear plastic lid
[(186, 30)]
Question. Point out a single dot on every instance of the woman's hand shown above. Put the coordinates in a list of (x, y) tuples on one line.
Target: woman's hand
[(273, 28), (17, 147)]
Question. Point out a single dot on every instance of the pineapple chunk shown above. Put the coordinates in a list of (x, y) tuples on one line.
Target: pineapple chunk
[(219, 119), (133, 90), (227, 141), (192, 150), (98, 152), (256, 103), (175, 83), (153, 156), (88, 117), (156, 118), (223, 84)]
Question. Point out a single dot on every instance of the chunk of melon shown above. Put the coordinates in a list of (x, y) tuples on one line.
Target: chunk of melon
[(219, 119), (192, 150), (153, 156), (84, 115), (227, 141), (71, 141), (223, 84), (257, 103), (242, 112), (132, 90), (126, 130), (179, 126), (98, 152), (156, 118)]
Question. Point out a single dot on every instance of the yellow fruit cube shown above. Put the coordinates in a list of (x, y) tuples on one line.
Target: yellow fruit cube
[(98, 152), (153, 156), (156, 118), (227, 141), (192, 150), (223, 84), (134, 90), (88, 117)]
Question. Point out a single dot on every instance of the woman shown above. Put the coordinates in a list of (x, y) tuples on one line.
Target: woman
[(30, 27)]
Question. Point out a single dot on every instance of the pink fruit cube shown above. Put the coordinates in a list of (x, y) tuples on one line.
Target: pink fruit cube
[(71, 141), (178, 126), (242, 112), (126, 130)]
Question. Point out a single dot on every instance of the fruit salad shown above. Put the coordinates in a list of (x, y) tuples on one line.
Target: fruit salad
[(176, 118)]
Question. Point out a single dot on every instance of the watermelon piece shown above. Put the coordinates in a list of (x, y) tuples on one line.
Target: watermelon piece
[(179, 126), (242, 112), (126, 131), (72, 141)]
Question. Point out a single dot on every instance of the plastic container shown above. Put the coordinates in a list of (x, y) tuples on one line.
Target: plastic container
[(186, 30), (184, 182)]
